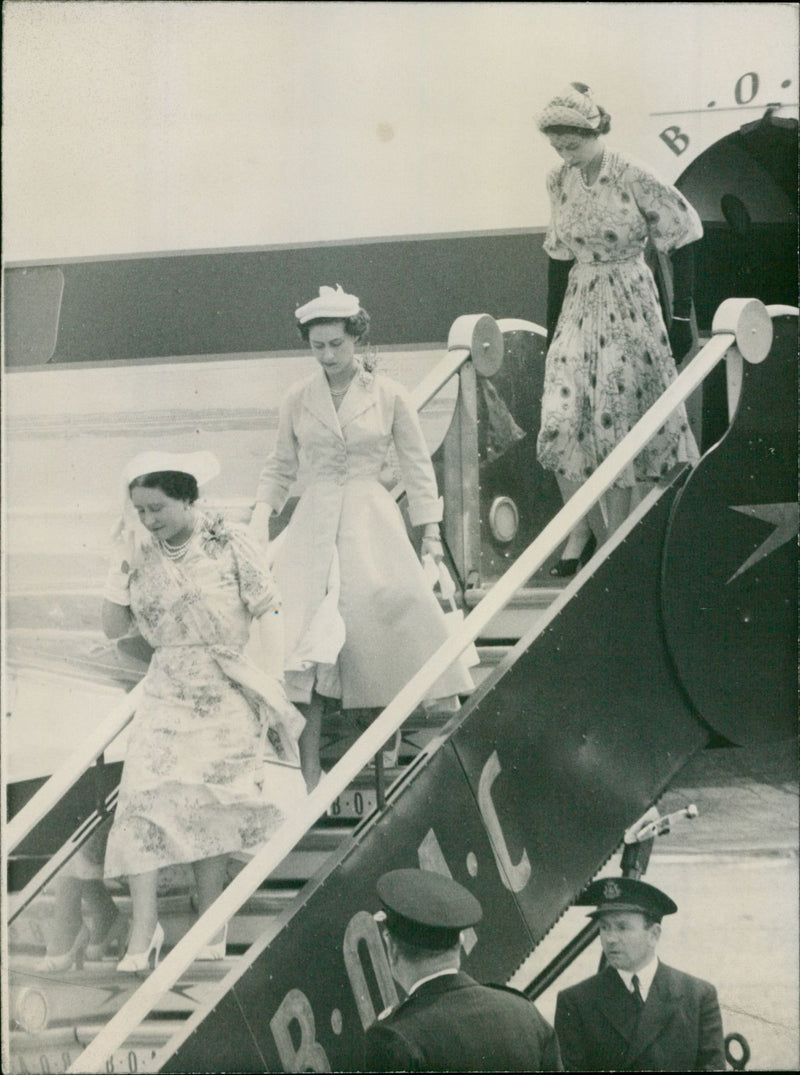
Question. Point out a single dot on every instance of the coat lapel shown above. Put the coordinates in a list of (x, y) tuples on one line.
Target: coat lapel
[(614, 1003), (358, 399), (658, 1012), (317, 401)]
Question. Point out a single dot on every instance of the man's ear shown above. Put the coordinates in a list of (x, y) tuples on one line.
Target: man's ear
[(391, 947)]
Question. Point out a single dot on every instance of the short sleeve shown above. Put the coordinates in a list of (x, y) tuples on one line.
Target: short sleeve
[(257, 587), (116, 587), (553, 245), (671, 220)]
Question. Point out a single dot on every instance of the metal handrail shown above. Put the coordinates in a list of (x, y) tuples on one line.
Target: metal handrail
[(80, 760), (72, 770), (93, 1059)]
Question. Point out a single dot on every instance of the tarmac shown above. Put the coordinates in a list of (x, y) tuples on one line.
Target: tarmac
[(733, 871)]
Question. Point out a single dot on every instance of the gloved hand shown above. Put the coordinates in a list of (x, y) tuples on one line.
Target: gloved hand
[(432, 546), (680, 339), (259, 523)]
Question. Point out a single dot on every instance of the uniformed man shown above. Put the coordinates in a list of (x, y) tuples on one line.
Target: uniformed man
[(637, 1014), (448, 1022)]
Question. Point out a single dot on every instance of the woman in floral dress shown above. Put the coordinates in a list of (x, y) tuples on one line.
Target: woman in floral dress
[(194, 785), (610, 356)]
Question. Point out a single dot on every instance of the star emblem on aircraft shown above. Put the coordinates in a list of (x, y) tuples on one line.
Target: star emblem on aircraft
[(782, 517)]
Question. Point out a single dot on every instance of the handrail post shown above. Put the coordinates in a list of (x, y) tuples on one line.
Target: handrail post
[(409, 697)]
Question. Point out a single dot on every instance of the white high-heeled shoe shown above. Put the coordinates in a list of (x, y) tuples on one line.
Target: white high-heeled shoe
[(214, 952), (139, 961), (65, 961)]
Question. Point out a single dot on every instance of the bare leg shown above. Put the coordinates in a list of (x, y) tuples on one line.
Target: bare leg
[(309, 742), (101, 908), (67, 920), (590, 523), (617, 504), (209, 875), (143, 888)]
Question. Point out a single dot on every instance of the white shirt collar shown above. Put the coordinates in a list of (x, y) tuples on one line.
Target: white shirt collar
[(646, 975), (430, 977)]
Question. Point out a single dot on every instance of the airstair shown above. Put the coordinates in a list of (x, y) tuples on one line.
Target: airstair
[(677, 634)]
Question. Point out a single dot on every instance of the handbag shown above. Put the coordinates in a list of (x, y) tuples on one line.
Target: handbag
[(438, 575)]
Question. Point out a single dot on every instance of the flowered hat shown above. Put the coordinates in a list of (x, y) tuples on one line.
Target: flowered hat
[(573, 107)]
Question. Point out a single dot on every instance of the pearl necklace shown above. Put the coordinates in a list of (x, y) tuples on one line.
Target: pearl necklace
[(176, 552), (588, 186), (339, 393)]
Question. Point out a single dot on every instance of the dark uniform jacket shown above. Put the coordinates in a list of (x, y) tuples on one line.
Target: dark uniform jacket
[(679, 1029), (454, 1024)]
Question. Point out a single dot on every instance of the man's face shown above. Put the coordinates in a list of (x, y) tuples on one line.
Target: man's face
[(628, 940)]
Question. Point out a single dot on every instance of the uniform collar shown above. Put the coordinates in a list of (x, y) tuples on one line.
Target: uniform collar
[(431, 977), (645, 975)]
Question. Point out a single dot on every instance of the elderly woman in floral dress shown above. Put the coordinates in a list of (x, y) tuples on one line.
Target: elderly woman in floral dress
[(194, 787)]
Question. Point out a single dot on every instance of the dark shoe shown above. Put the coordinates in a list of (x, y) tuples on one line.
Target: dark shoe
[(564, 569)]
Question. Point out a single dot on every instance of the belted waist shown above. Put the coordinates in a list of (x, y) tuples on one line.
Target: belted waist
[(636, 261)]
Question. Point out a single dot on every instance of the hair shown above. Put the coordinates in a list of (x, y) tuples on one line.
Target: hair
[(583, 132), (413, 953), (175, 484), (356, 326)]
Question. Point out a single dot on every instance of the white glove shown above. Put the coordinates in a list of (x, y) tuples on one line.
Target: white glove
[(259, 523), (432, 546)]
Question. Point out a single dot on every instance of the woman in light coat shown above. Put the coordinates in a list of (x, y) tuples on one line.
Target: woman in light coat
[(360, 619)]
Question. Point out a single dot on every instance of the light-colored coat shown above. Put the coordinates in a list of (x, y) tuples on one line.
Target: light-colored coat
[(347, 534)]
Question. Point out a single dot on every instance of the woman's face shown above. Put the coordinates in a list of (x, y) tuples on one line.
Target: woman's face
[(165, 518), (574, 150), (334, 349)]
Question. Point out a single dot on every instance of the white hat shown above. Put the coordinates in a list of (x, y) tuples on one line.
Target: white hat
[(203, 466), (330, 303)]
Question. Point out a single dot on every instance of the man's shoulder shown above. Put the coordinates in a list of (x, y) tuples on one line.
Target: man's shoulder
[(507, 994), (589, 987), (679, 979)]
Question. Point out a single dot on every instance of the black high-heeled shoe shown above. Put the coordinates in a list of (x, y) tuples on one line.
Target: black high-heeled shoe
[(564, 569)]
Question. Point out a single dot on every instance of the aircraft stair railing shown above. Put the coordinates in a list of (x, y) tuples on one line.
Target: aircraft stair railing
[(742, 325), (470, 333), (53, 791)]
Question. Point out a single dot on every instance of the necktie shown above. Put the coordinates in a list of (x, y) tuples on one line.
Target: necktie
[(637, 993)]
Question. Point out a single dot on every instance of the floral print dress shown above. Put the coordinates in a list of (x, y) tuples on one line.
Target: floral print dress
[(194, 782), (610, 359)]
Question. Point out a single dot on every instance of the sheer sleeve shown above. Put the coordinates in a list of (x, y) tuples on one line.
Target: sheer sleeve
[(671, 220), (553, 244), (257, 587)]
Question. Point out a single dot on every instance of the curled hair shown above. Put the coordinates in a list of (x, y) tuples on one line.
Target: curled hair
[(356, 326), (175, 484)]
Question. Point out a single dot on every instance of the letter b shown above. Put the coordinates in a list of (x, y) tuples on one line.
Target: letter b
[(309, 1056), (675, 139)]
